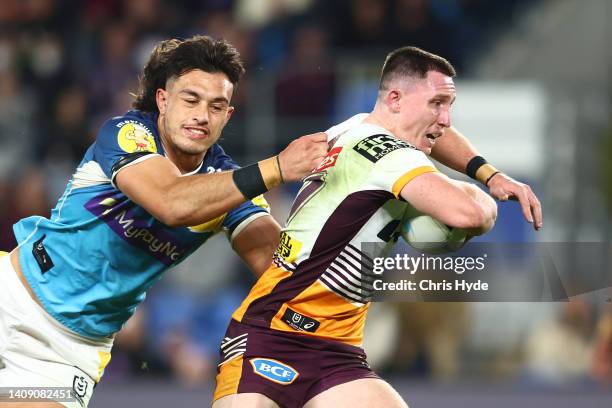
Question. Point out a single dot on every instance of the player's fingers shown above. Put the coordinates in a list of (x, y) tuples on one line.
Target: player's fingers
[(536, 210), (317, 159), (521, 196), (317, 137)]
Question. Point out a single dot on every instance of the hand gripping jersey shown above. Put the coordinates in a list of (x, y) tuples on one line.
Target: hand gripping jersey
[(321, 282), (92, 261)]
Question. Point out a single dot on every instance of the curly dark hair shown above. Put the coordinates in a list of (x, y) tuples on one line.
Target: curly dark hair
[(412, 62), (174, 57)]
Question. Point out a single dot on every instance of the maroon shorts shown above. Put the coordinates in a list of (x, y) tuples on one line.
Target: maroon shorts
[(288, 368)]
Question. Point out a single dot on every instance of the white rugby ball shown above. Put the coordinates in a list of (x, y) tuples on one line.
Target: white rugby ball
[(426, 234)]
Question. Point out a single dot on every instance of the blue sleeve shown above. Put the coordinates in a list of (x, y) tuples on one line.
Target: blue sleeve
[(221, 160), (120, 141), (246, 211)]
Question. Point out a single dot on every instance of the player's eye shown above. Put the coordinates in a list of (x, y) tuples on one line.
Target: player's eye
[(217, 108)]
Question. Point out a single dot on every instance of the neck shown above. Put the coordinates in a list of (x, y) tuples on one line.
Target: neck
[(186, 163), (380, 118)]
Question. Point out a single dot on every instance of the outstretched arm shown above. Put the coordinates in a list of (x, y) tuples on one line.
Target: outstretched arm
[(158, 186), (455, 151)]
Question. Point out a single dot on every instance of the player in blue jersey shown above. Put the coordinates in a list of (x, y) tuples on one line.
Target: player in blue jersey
[(152, 188)]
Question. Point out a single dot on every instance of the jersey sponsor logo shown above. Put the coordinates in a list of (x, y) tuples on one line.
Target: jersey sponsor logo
[(330, 159), (376, 147), (136, 228), (141, 235), (300, 322), (274, 370), (288, 248), (135, 137)]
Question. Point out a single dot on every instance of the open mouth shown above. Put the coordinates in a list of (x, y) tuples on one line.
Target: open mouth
[(433, 136), (197, 133)]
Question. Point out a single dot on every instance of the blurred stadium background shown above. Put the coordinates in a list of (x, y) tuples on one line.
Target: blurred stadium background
[(534, 85)]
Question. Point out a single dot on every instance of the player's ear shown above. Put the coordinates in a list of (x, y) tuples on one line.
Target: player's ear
[(161, 98), (228, 115), (392, 100)]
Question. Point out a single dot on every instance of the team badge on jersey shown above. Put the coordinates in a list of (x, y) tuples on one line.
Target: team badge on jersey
[(274, 370), (133, 137), (79, 388), (376, 147)]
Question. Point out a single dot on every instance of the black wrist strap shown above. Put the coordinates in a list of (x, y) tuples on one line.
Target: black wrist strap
[(473, 165), (486, 183), (249, 181)]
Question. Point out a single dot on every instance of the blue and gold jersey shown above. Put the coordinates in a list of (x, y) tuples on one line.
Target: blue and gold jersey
[(91, 263)]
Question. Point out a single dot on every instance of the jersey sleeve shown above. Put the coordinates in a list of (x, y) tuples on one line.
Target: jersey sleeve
[(238, 218), (397, 168), (121, 143), (221, 160)]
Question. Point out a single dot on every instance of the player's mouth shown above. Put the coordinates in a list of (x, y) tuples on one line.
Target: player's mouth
[(433, 136), (195, 132)]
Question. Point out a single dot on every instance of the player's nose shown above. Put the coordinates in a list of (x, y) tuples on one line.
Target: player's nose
[(201, 115), (444, 119)]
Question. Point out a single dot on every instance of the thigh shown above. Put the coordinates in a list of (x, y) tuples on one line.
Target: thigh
[(363, 393), (41, 370), (264, 363), (10, 311), (251, 400)]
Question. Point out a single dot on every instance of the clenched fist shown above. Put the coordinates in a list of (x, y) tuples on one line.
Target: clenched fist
[(302, 156)]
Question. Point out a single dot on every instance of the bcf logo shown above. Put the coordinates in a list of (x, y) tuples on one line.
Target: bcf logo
[(274, 370)]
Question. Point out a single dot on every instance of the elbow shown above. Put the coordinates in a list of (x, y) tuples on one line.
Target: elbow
[(170, 218), (473, 217), (478, 219)]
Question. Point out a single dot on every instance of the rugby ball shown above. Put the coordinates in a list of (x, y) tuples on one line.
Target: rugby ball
[(426, 234)]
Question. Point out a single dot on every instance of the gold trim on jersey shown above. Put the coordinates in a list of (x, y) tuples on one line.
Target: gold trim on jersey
[(339, 319), (407, 177), (228, 378), (105, 357), (266, 283)]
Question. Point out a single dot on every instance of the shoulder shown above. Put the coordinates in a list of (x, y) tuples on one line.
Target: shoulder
[(217, 159), (134, 131), (375, 143), (130, 121)]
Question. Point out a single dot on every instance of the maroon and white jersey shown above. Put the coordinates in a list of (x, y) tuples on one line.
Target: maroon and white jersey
[(320, 282)]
